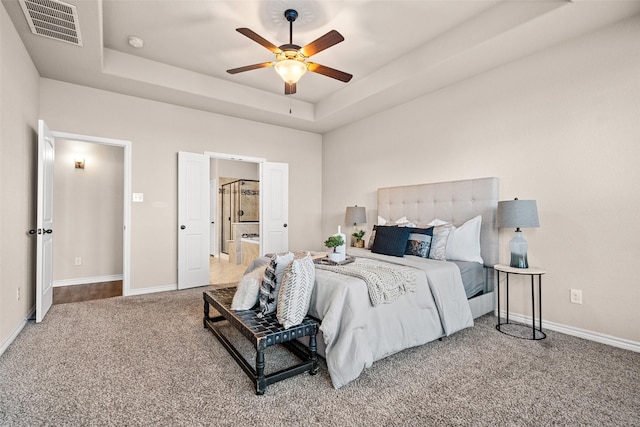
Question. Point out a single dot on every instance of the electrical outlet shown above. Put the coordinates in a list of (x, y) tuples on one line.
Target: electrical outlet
[(18, 294), (576, 296), (78, 261)]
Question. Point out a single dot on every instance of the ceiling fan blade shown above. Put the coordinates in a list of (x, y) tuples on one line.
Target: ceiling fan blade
[(331, 38), (250, 67), (289, 88), (259, 39), (329, 72)]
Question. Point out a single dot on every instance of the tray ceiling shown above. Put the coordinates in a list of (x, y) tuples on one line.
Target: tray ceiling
[(396, 50)]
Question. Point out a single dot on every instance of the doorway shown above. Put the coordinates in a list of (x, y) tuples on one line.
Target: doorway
[(235, 216), (45, 222), (88, 248), (194, 216)]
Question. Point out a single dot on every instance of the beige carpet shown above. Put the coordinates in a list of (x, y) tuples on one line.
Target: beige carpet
[(147, 361)]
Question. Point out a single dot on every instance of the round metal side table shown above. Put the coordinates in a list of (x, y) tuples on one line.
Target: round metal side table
[(516, 329)]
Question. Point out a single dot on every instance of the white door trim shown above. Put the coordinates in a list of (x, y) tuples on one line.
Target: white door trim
[(225, 156), (213, 218), (126, 219)]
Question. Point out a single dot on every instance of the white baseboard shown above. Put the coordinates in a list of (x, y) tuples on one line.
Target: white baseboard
[(17, 331), (143, 291), (577, 332), (87, 280)]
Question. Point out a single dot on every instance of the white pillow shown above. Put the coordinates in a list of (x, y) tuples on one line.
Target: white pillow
[(381, 221), (295, 294), (281, 263), (246, 295), (404, 222), (463, 243), (439, 241)]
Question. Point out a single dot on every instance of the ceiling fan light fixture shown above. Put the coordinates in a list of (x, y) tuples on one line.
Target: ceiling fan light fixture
[(290, 58), (291, 70)]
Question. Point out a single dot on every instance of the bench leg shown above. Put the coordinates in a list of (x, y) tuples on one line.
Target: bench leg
[(261, 381), (313, 350), (206, 314)]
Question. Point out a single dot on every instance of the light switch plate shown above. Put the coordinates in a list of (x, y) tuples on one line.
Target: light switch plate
[(138, 197)]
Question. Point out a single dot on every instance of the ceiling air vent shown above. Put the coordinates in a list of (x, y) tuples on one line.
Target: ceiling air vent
[(53, 19)]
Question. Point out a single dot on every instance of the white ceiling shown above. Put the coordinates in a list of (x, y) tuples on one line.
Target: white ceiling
[(397, 50)]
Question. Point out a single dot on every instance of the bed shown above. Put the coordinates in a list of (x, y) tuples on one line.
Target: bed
[(354, 333), (456, 202)]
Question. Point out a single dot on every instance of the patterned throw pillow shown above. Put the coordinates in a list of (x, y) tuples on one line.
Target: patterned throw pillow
[(372, 238), (439, 241), (419, 242), (270, 286), (246, 295), (295, 292)]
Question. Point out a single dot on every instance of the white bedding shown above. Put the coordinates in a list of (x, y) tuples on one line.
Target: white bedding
[(356, 334)]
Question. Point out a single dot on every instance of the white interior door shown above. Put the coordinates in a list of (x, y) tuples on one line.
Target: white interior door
[(44, 222), (275, 207), (193, 220)]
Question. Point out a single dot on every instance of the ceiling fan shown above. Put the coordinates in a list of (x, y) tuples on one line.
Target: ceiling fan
[(290, 58)]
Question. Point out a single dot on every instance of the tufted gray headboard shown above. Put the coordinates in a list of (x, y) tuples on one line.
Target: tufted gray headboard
[(453, 201)]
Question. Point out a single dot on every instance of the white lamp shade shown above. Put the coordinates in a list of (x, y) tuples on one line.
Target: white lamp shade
[(517, 214), (355, 215), (291, 70)]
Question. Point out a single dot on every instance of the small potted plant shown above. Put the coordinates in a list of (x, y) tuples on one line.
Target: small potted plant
[(359, 242), (334, 242)]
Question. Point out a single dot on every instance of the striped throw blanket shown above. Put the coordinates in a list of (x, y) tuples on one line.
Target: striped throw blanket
[(386, 282)]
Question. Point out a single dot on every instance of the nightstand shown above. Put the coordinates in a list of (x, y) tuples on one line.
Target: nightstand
[(516, 329)]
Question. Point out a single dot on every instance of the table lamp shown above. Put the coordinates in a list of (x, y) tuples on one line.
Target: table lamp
[(518, 214)]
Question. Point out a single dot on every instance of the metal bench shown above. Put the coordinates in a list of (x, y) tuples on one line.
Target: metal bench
[(262, 333)]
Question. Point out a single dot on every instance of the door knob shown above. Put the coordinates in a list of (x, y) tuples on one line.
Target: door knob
[(32, 231), (182, 227), (285, 225), (48, 231)]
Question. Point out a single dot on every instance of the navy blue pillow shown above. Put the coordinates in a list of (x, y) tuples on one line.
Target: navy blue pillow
[(391, 240), (419, 242)]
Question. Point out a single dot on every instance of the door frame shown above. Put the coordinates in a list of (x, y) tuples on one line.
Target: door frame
[(213, 210), (126, 214)]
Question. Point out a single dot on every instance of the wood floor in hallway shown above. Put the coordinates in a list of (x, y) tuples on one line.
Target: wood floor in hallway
[(221, 272)]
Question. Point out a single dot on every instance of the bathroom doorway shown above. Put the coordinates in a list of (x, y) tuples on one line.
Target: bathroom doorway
[(240, 208), (235, 218)]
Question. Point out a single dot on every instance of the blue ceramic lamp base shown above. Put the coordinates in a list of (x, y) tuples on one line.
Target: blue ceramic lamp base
[(518, 247)]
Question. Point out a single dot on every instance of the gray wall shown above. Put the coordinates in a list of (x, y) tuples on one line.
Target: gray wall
[(19, 85), (88, 211), (562, 127), (157, 132)]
